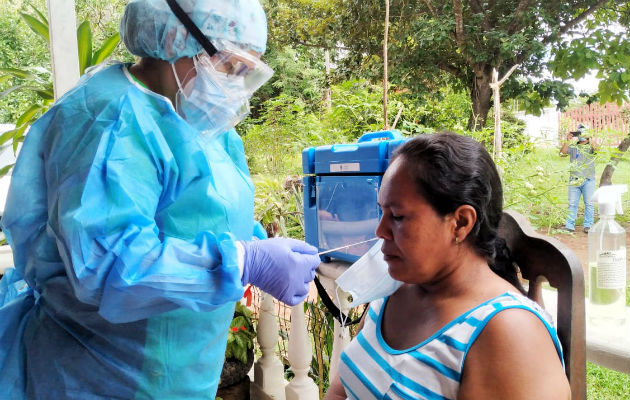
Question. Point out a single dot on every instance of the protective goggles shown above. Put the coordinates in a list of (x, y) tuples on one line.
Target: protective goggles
[(234, 64), (224, 57)]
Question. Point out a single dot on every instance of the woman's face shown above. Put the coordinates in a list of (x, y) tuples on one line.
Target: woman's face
[(417, 241)]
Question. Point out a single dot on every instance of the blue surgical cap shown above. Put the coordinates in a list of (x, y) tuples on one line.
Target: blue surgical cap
[(150, 29)]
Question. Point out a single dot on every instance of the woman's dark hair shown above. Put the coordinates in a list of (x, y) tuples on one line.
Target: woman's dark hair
[(451, 170)]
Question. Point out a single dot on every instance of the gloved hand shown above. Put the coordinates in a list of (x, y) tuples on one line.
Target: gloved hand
[(281, 267)]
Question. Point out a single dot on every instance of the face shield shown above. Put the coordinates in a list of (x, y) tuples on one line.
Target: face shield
[(236, 67), (217, 98)]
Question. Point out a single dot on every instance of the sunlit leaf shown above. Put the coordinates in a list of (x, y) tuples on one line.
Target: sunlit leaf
[(36, 26), (42, 17), (12, 134), (84, 41), (7, 135), (28, 115), (106, 49), (46, 94), (10, 90), (19, 73), (5, 170)]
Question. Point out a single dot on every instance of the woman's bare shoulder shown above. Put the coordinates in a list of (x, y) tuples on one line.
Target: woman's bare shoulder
[(514, 357)]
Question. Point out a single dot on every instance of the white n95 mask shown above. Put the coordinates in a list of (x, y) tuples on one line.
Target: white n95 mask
[(368, 278)]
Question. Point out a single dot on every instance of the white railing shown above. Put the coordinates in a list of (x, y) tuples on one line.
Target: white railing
[(269, 382)]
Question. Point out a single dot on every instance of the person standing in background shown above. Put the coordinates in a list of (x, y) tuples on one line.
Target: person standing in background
[(582, 183)]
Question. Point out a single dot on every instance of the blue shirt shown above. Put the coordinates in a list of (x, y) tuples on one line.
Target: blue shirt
[(582, 161)]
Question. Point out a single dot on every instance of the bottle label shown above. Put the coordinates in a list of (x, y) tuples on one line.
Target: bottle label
[(611, 269)]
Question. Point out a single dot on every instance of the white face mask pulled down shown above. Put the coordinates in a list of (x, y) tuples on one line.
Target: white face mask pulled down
[(368, 278)]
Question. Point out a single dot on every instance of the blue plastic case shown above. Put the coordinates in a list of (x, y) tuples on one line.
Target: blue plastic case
[(341, 185)]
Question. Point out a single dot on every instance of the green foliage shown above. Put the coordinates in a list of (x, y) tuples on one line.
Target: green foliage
[(604, 47), (274, 143), (321, 325), (241, 334), (104, 17), (18, 49), (298, 74), (37, 80), (433, 43), (278, 205), (535, 184), (606, 384), (357, 108), (534, 96), (321, 328), (445, 109), (310, 22)]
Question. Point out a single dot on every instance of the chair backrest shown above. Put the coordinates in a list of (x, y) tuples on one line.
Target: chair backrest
[(539, 256)]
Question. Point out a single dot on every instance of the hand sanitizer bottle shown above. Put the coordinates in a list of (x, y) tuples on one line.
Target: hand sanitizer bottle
[(607, 260)]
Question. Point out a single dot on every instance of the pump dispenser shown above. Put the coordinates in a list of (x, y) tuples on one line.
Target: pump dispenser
[(607, 260)]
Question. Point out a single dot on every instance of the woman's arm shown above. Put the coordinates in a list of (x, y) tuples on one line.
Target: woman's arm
[(335, 390), (514, 358)]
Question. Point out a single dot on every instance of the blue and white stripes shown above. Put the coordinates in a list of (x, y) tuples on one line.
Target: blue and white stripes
[(370, 369)]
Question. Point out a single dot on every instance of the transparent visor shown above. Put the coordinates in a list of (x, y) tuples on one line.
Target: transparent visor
[(236, 65)]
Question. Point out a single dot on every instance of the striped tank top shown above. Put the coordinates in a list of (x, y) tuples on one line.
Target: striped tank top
[(370, 369)]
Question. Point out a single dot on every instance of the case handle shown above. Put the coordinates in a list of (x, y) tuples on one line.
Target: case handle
[(389, 135)]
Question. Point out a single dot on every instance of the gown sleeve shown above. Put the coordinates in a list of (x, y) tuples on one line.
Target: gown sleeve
[(103, 221)]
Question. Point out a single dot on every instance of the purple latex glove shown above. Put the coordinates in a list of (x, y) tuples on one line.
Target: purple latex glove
[(281, 267)]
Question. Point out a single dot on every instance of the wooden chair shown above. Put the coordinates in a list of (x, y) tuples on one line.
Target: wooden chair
[(538, 257)]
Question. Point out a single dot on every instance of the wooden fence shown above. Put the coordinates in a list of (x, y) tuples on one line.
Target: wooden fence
[(606, 118)]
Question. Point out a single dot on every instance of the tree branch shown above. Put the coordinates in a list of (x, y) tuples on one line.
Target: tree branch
[(477, 8), (505, 77), (430, 7), (520, 9), (577, 19), (451, 70), (459, 23)]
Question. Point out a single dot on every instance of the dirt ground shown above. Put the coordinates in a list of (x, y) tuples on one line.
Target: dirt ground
[(578, 242)]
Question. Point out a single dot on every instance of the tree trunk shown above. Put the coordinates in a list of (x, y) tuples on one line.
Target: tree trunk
[(481, 95), (607, 174), (327, 96)]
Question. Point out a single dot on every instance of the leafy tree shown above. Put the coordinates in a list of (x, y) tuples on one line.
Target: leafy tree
[(310, 23), (603, 46), (462, 41), (298, 73)]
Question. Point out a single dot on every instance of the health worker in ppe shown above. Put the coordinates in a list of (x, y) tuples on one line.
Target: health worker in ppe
[(130, 216)]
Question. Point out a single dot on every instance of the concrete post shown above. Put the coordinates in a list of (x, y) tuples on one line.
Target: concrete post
[(64, 55)]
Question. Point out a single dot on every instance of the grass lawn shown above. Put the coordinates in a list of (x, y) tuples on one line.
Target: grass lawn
[(606, 384), (547, 208), (547, 203)]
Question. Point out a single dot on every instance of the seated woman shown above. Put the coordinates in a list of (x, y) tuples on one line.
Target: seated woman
[(459, 327)]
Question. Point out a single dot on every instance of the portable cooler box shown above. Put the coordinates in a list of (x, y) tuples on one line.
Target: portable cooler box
[(341, 184)]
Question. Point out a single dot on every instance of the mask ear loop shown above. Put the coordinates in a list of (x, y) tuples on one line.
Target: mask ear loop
[(343, 318), (179, 84)]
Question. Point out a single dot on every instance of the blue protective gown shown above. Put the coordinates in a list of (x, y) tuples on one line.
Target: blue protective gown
[(123, 221)]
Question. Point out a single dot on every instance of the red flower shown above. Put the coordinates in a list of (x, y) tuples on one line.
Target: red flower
[(235, 329)]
